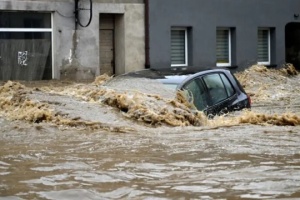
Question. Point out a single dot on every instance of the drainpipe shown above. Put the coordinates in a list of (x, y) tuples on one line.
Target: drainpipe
[(147, 47), (76, 12)]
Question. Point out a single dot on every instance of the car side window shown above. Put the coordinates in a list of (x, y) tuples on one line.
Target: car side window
[(216, 88), (197, 92), (228, 86)]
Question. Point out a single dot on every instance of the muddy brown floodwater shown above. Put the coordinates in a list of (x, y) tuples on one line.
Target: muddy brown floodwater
[(132, 139)]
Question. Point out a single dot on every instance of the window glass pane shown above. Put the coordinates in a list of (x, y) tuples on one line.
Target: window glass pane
[(25, 20), (215, 88), (228, 86), (178, 51), (223, 46), (196, 91), (263, 46), (25, 55)]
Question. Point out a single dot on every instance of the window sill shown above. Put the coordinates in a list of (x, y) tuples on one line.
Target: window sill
[(227, 66), (180, 65), (271, 66)]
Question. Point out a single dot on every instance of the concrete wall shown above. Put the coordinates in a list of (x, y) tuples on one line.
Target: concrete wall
[(76, 52), (134, 37), (204, 16)]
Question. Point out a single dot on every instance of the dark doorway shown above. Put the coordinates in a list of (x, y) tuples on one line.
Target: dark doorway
[(292, 44)]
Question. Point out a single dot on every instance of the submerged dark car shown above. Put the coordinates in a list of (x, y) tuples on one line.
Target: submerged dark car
[(215, 91)]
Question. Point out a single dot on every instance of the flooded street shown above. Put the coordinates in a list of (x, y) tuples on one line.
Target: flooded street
[(188, 163), (102, 141)]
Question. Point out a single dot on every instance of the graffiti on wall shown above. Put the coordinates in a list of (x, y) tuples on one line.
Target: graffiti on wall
[(22, 58)]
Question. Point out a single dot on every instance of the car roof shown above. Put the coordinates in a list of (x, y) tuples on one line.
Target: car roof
[(173, 75)]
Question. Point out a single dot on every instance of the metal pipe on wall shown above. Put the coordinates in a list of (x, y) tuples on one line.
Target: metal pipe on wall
[(147, 39)]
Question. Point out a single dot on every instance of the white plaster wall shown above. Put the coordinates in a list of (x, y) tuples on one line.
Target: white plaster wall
[(134, 37), (88, 38), (129, 35)]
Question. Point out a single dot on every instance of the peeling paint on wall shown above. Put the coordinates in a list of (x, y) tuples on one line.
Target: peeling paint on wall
[(70, 56)]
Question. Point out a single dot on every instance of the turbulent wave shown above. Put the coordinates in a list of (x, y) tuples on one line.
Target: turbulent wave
[(17, 102)]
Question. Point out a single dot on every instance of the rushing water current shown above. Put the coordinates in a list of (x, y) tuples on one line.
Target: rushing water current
[(241, 162), (132, 139)]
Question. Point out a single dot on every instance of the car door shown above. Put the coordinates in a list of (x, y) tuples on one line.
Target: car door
[(197, 93), (220, 92)]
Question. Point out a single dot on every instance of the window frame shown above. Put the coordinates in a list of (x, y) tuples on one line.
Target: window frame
[(229, 48), (269, 46), (224, 79), (185, 46)]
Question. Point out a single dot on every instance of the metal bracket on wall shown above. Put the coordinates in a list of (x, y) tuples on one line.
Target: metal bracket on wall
[(79, 7)]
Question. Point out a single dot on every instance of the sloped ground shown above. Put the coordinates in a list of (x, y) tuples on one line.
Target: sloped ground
[(123, 105)]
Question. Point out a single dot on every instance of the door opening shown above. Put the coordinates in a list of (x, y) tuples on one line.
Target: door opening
[(107, 44), (292, 44)]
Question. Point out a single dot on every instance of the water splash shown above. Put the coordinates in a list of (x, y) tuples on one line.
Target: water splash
[(265, 85), (17, 102)]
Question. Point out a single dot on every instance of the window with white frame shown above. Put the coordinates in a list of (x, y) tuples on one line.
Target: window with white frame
[(223, 47), (179, 47), (263, 46)]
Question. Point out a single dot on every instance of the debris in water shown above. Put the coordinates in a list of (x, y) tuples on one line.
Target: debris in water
[(266, 86), (154, 110), (99, 80), (286, 119), (16, 106), (289, 70)]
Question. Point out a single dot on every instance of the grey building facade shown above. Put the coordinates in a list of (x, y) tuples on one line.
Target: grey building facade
[(43, 39), (227, 33)]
